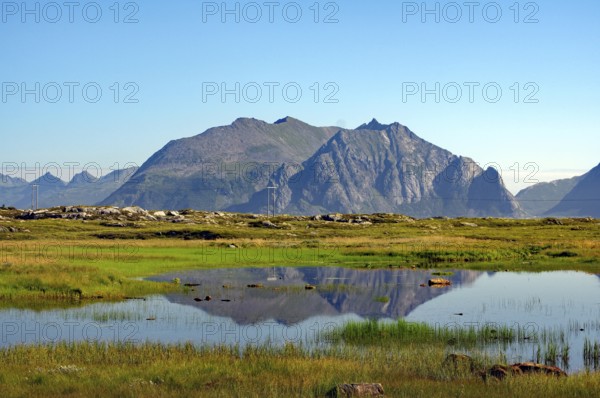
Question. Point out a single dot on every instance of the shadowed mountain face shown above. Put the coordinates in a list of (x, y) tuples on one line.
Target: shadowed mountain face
[(387, 168), (284, 299), (539, 198), (583, 200), (83, 189), (221, 167)]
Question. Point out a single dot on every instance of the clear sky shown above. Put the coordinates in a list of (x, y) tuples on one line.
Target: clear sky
[(352, 60)]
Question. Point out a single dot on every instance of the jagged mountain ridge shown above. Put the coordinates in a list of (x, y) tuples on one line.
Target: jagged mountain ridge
[(387, 168)]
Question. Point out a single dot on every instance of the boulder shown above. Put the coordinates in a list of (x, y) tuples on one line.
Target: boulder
[(333, 217), (524, 368), (134, 210), (357, 390), (159, 214), (439, 282), (532, 367), (109, 211), (269, 224)]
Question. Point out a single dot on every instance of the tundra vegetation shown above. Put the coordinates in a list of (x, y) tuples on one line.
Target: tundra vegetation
[(51, 260)]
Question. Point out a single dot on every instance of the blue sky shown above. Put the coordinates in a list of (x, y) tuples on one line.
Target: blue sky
[(366, 62)]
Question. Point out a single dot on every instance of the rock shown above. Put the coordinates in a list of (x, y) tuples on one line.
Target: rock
[(498, 372), (109, 211), (256, 285), (269, 224), (207, 298), (286, 226), (524, 368), (439, 282), (552, 221), (135, 210), (173, 213), (3, 229), (531, 367), (357, 390), (197, 299), (232, 246), (310, 287), (159, 214), (468, 224), (333, 217)]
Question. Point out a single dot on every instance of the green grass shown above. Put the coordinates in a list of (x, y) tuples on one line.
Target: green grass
[(155, 370), (401, 331)]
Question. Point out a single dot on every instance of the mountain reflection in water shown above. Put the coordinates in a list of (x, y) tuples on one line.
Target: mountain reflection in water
[(382, 293)]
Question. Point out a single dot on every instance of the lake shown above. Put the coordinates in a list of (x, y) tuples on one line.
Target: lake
[(558, 307)]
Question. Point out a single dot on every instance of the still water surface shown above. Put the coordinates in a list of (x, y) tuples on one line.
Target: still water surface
[(282, 310)]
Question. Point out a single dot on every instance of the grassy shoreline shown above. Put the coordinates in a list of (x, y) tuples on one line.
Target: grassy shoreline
[(415, 369)]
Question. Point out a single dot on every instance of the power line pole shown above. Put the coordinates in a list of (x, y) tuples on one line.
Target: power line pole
[(34, 196)]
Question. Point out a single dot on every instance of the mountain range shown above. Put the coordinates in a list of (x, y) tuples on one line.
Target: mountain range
[(373, 168), (83, 188)]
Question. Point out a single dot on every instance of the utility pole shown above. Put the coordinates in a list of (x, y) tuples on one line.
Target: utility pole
[(271, 194), (34, 196)]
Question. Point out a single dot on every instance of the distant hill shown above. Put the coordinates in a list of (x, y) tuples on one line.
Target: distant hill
[(387, 168), (539, 198), (583, 200), (83, 189)]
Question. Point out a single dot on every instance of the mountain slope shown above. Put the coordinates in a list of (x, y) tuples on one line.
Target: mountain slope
[(388, 168), (583, 200), (220, 167), (539, 198), (83, 189)]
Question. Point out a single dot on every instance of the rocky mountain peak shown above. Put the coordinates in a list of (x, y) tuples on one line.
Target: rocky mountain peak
[(82, 178), (373, 125)]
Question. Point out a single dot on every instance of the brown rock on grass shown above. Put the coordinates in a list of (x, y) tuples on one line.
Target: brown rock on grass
[(357, 390)]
